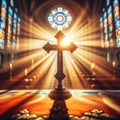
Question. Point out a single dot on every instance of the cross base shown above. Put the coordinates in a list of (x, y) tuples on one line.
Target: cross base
[(59, 94), (59, 111)]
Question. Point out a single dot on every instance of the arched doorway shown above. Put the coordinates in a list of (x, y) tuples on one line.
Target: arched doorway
[(118, 59)]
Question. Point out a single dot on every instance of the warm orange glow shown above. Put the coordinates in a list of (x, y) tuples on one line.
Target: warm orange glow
[(113, 63), (66, 41), (83, 32), (11, 66), (30, 99), (26, 72), (92, 66)]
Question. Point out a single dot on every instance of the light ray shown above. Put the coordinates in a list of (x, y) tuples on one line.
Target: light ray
[(84, 32)]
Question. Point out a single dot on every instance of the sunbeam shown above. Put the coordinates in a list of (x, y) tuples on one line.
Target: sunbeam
[(84, 31), (59, 59)]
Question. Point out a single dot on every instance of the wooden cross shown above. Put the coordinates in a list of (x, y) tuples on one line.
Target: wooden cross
[(59, 48), (60, 94)]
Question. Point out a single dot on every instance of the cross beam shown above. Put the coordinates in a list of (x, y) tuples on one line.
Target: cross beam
[(59, 48), (60, 94)]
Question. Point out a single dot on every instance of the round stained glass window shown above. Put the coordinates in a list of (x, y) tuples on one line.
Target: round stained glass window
[(59, 18)]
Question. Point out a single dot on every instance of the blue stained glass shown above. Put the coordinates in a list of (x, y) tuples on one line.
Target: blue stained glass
[(118, 42), (108, 2), (18, 19), (105, 15), (105, 22), (12, 3), (110, 26), (18, 31), (109, 9), (9, 32), (59, 18), (117, 20), (59, 9), (1, 43), (101, 32), (116, 2), (14, 40)]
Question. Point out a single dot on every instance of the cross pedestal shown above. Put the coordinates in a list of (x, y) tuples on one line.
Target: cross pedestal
[(59, 94)]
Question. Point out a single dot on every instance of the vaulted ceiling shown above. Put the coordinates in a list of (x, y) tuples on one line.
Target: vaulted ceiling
[(39, 8)]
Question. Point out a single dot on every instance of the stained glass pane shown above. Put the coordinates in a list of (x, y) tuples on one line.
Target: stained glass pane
[(101, 32), (108, 2), (106, 29), (3, 23), (110, 26), (59, 18), (12, 3), (18, 32), (9, 32), (117, 21), (110, 19), (13, 41)]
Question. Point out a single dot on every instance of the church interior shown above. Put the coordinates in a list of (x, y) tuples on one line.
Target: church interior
[(59, 59)]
